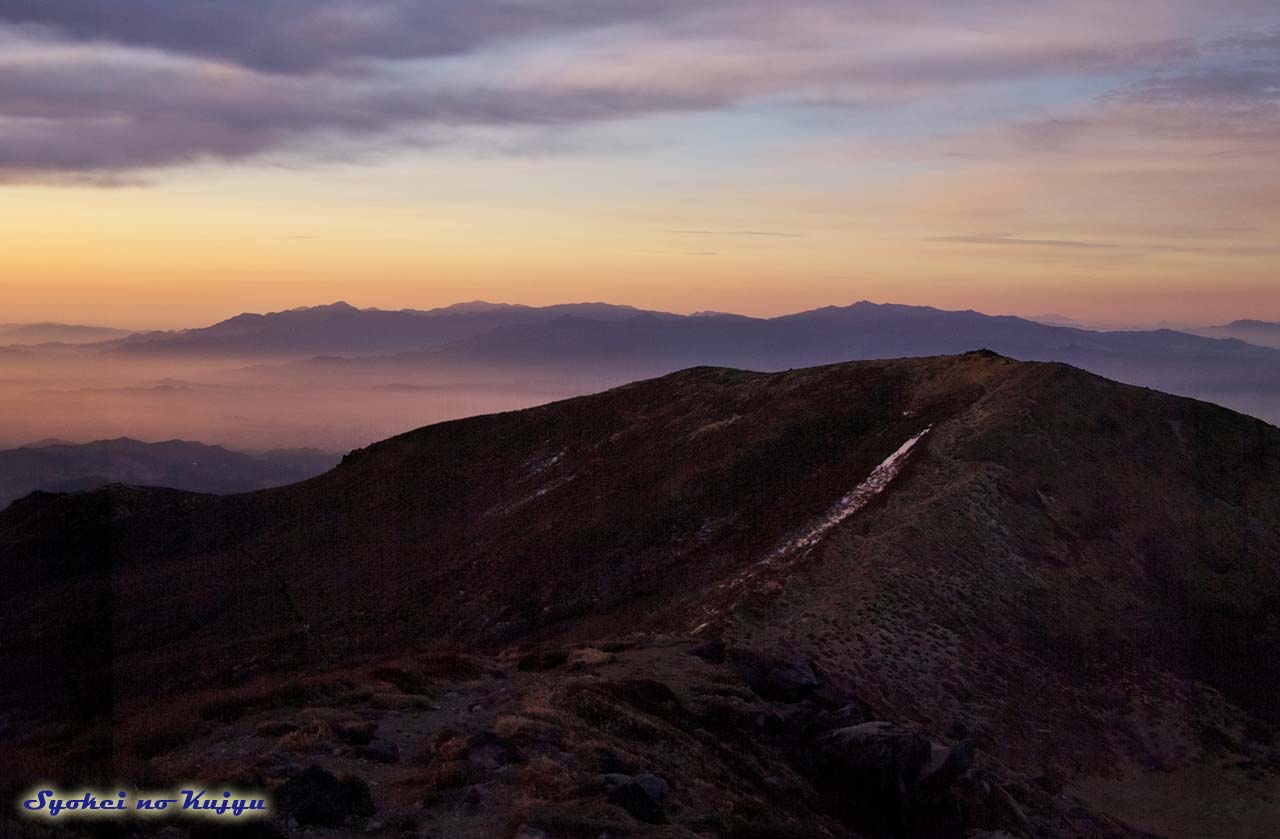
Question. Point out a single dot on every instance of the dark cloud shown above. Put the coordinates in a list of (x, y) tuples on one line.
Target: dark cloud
[(105, 89), (105, 118), (307, 35)]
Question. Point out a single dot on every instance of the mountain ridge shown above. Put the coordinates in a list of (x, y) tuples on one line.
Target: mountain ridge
[(340, 327), (587, 346), (530, 315), (1260, 332), (1062, 582)]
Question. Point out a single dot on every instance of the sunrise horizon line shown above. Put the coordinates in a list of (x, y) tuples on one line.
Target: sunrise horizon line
[(1048, 317)]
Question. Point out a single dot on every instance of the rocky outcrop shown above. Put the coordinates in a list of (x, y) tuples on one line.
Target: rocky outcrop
[(787, 677), (894, 774), (318, 797), (896, 758)]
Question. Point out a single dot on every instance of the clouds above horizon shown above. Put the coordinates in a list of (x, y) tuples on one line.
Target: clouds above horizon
[(111, 91), (997, 154)]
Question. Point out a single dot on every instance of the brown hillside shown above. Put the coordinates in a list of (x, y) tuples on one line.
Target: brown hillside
[(1077, 577)]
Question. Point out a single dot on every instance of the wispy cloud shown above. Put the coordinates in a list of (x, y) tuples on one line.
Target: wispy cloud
[(1017, 242), (767, 234), (1074, 244)]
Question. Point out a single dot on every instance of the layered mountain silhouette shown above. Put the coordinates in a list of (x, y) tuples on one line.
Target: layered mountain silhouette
[(56, 465), (342, 329), (949, 596), (1260, 332), (607, 345), (57, 333)]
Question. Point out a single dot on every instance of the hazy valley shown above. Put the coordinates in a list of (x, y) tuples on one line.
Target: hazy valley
[(335, 377)]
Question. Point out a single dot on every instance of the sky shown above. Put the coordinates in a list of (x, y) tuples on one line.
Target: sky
[(172, 163)]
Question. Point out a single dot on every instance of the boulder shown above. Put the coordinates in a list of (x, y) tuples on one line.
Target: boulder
[(317, 797), (712, 652), (894, 757), (878, 748), (776, 676), (640, 795), (653, 786)]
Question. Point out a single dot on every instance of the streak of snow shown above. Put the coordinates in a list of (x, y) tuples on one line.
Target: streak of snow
[(537, 467), (714, 426), (846, 506), (504, 509), (556, 484), (852, 502)]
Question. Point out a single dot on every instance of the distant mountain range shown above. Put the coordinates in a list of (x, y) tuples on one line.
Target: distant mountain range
[(59, 466), (341, 329), (484, 330), (609, 345), (56, 333), (1260, 332), (943, 597), (580, 347)]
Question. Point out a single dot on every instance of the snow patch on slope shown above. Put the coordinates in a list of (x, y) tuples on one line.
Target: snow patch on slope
[(852, 502), (813, 533)]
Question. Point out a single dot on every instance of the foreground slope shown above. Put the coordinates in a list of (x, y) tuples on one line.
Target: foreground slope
[(1076, 577)]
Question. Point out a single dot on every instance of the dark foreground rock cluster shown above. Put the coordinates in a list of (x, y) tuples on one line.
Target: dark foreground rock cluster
[(659, 737)]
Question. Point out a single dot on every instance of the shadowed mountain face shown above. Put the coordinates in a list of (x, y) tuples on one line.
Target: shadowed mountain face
[(60, 466), (1076, 577)]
